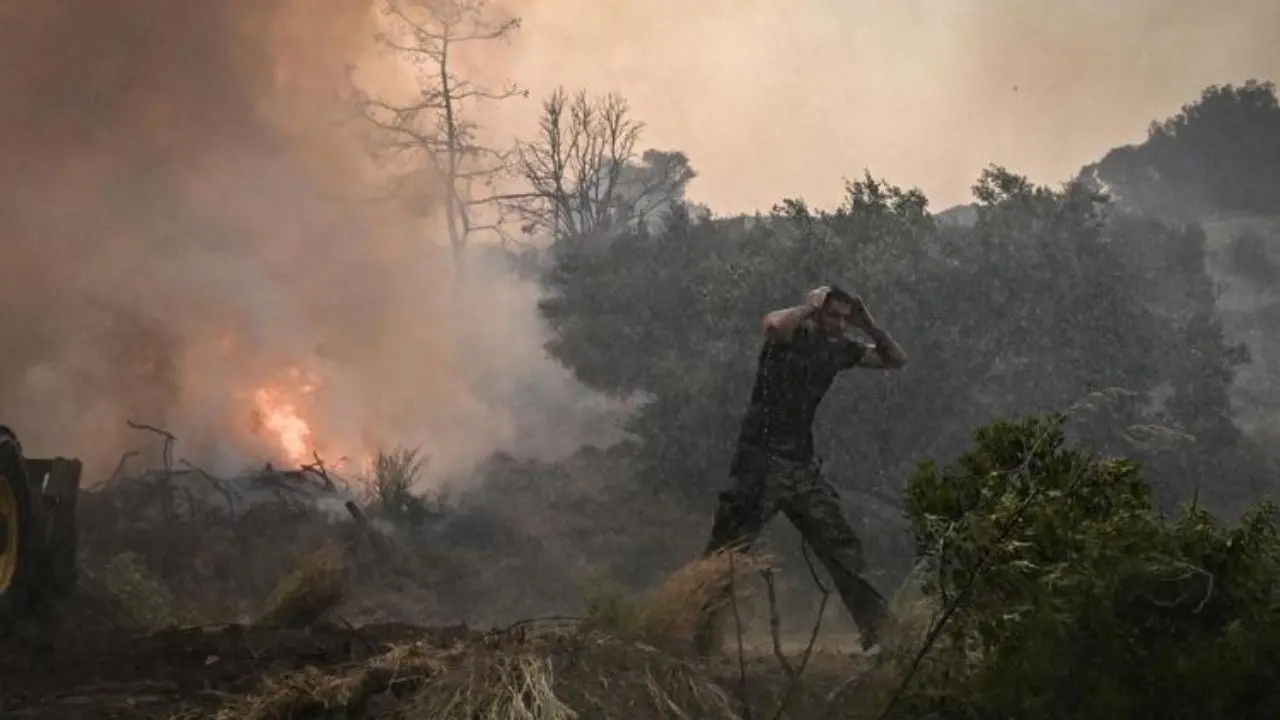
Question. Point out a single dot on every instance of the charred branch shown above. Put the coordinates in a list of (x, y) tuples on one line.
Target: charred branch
[(167, 454), (122, 465), (217, 484)]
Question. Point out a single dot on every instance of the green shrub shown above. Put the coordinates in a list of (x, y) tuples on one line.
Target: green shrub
[(1074, 599), (395, 474), (137, 590), (611, 609)]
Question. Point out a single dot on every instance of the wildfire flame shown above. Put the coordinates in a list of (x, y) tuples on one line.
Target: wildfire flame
[(282, 419), (280, 414)]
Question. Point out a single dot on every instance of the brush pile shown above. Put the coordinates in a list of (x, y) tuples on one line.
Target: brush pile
[(279, 594), (516, 673), (192, 547), (197, 548), (297, 660)]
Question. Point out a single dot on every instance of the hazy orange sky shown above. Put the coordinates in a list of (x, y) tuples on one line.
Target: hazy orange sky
[(773, 99)]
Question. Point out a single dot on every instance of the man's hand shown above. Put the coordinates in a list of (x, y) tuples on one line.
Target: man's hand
[(887, 354), (818, 297), (779, 325), (860, 317)]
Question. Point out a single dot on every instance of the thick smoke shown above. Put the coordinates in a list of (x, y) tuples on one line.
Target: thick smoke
[(175, 191), (776, 99), (179, 229)]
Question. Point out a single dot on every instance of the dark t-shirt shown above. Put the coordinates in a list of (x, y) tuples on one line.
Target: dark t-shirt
[(791, 380)]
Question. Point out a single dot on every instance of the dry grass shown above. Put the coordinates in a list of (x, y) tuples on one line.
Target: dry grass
[(631, 659), (667, 617), (497, 687), (306, 594), (556, 676), (518, 674), (337, 692)]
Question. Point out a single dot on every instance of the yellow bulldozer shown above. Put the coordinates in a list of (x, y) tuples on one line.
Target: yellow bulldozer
[(37, 530)]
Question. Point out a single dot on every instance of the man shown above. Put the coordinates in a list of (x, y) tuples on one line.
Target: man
[(775, 469)]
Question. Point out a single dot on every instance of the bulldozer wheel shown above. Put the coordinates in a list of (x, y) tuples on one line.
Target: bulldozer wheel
[(16, 539)]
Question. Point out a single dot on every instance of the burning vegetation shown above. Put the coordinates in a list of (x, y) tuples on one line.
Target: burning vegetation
[(280, 418)]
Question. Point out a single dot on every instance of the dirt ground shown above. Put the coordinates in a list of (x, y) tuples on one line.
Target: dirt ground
[(227, 672), (117, 673), (343, 654)]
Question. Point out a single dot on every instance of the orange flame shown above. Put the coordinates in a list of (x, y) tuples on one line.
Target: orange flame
[(280, 414), (289, 421), (282, 419)]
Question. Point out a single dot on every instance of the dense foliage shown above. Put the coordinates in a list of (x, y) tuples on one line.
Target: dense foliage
[(1220, 154), (1037, 299), (1076, 599), (1048, 297), (1073, 595)]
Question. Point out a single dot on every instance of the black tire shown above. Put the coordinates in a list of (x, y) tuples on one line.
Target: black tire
[(18, 559)]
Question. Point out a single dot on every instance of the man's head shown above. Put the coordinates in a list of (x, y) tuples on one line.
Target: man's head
[(837, 311)]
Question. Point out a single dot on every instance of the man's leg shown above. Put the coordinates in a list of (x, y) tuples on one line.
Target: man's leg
[(740, 517), (814, 508)]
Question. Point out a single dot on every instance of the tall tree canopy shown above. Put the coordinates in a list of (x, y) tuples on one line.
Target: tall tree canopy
[(1045, 300), (1220, 154)]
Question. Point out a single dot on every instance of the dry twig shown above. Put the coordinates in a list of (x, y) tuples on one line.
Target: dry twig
[(217, 484), (737, 621), (318, 468), (169, 440), (775, 624), (796, 674), (120, 466)]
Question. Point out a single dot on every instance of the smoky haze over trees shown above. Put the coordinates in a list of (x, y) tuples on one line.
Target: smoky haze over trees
[(1217, 155), (429, 141), (1100, 299), (1049, 298)]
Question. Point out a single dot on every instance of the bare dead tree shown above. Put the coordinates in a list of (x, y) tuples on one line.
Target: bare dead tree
[(583, 173), (432, 138)]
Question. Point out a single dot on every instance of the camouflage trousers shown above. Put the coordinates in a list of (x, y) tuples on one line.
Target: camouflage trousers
[(763, 486)]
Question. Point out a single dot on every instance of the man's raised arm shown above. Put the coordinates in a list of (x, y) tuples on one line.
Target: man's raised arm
[(887, 353), (780, 325)]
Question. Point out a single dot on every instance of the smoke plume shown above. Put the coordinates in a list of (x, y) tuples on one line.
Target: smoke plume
[(183, 248), (782, 99)]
